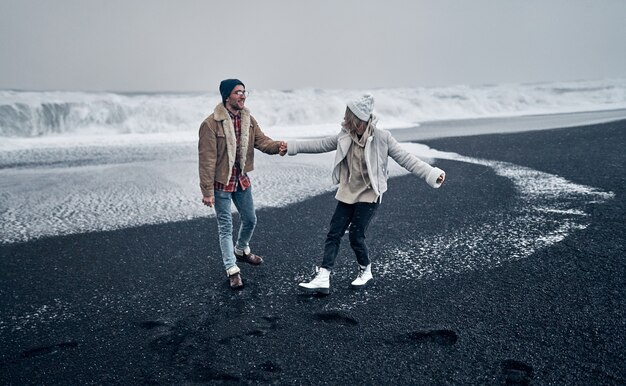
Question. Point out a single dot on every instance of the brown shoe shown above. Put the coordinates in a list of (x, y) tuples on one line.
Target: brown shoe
[(249, 258), (235, 281)]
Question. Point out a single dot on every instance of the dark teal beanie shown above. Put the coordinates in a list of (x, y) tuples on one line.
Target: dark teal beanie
[(227, 86)]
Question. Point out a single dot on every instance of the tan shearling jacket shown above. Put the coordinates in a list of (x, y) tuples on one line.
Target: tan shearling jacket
[(217, 147)]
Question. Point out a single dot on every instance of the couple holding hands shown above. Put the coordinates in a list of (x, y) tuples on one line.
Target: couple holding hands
[(227, 140)]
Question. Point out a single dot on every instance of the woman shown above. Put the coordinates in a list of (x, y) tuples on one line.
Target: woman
[(360, 170)]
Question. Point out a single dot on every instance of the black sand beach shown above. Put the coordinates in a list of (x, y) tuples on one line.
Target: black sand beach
[(150, 305)]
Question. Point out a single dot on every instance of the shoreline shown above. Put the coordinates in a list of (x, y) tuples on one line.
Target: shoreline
[(505, 125), (151, 303)]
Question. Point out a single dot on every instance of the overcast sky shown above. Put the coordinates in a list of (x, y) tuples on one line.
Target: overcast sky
[(190, 45)]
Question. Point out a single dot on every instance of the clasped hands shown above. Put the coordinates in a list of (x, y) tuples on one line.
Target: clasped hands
[(282, 150)]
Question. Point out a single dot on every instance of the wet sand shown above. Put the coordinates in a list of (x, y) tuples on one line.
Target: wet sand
[(151, 304)]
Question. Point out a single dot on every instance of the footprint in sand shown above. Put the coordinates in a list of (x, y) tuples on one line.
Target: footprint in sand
[(152, 324), (336, 317), (270, 323), (516, 372), (44, 350)]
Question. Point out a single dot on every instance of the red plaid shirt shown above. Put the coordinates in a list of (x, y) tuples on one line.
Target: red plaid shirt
[(236, 175)]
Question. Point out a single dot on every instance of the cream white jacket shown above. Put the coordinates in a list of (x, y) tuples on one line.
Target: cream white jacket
[(379, 147)]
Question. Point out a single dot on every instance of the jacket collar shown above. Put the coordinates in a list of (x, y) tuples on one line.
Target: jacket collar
[(221, 113)]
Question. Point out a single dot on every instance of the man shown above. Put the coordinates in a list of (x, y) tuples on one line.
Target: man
[(227, 140)]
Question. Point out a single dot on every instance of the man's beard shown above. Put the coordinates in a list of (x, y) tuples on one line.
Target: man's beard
[(235, 106)]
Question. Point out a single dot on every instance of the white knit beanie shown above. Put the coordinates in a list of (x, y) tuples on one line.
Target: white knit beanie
[(362, 107)]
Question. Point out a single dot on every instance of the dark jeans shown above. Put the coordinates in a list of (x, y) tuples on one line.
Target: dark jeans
[(358, 217)]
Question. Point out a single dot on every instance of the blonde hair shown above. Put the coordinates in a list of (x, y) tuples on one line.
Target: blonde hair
[(351, 122)]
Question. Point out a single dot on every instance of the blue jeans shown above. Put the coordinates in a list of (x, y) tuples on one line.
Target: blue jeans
[(357, 217), (245, 206)]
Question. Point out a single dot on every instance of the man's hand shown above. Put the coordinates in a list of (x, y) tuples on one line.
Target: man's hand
[(441, 178), (282, 150), (208, 201)]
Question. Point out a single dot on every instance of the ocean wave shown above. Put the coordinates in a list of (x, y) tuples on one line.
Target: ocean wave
[(37, 114)]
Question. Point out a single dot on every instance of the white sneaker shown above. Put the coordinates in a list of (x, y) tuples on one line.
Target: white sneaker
[(319, 284), (364, 277)]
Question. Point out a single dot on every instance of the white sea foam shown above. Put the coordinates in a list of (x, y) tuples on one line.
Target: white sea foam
[(549, 209), (293, 113)]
